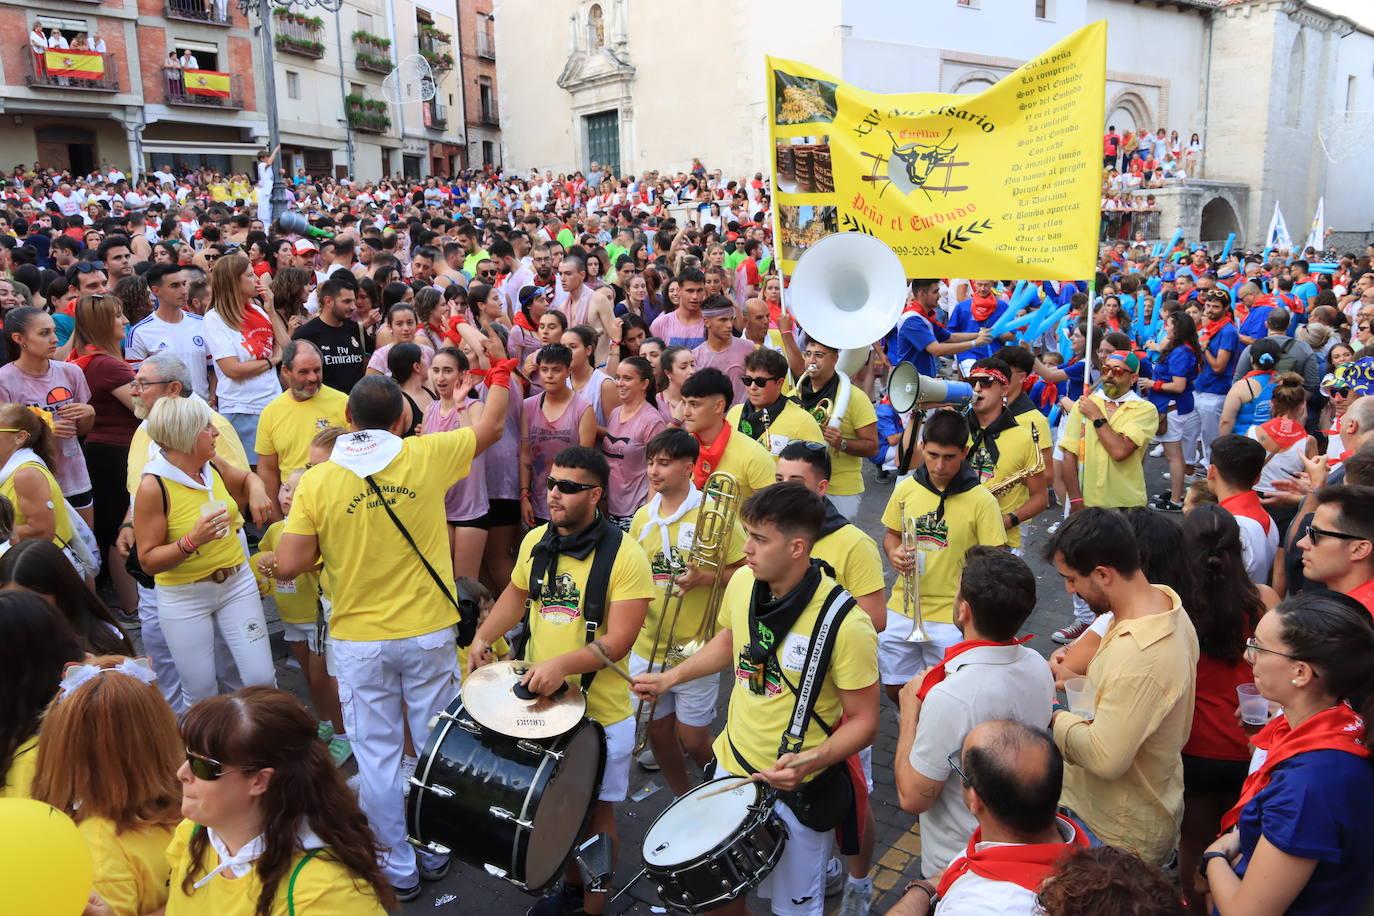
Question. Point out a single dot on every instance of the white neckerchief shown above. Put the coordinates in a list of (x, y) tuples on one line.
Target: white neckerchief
[(159, 466), (366, 451), (241, 863), (20, 458), (655, 520)]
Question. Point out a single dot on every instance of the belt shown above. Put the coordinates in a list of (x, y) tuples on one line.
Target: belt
[(219, 575)]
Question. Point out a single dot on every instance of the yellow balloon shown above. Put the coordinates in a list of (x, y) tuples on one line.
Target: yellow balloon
[(45, 864)]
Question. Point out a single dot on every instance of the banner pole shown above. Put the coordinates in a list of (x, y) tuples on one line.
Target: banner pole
[(1087, 382)]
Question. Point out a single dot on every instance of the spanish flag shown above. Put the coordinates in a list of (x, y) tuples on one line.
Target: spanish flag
[(86, 65), (207, 82)]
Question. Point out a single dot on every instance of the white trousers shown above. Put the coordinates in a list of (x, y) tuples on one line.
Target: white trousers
[(1208, 408), (848, 506), (190, 614), (383, 685), (160, 657)]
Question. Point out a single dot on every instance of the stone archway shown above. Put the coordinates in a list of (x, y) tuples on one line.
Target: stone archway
[(1218, 220), (975, 81), (1129, 111)]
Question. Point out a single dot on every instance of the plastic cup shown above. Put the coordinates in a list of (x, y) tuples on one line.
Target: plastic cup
[(1082, 696), (1254, 709), (211, 507)]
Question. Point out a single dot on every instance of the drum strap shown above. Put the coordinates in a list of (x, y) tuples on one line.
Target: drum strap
[(595, 597), (823, 638)]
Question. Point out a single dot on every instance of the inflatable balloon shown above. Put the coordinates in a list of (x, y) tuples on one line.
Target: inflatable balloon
[(45, 864)]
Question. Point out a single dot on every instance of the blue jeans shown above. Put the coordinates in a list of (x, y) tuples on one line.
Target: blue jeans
[(246, 425)]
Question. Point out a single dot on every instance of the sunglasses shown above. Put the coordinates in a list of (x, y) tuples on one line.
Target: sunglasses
[(1316, 534), (488, 274), (984, 382), (758, 381), (1116, 370), (569, 487), (953, 760), (208, 768), (86, 267)]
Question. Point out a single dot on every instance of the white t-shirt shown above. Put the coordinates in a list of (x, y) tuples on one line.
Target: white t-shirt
[(974, 895), (184, 339), (989, 682), (248, 395)]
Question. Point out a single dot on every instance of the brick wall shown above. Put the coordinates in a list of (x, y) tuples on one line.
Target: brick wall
[(474, 66), (241, 63), (14, 45), (152, 51)]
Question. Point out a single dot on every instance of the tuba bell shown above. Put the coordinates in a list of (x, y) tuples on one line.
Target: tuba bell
[(847, 292)]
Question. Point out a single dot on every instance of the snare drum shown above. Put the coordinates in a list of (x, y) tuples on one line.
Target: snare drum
[(703, 852), (507, 784)]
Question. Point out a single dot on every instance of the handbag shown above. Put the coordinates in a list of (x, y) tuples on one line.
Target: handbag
[(132, 565)]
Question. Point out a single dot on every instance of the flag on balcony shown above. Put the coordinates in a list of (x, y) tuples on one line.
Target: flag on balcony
[(86, 65), (206, 82)]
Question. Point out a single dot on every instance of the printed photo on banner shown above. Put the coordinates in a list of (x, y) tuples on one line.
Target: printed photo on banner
[(803, 227), (804, 166), (803, 100)]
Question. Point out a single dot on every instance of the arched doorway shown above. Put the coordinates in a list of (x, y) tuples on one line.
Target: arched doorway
[(67, 148), (1218, 221)]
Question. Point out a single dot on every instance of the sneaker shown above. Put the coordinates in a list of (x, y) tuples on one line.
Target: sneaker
[(1066, 635), (407, 894), (433, 874), (834, 876), (408, 765), (325, 730), (564, 900), (646, 760), (1165, 504), (855, 902), (1157, 451), (340, 750)]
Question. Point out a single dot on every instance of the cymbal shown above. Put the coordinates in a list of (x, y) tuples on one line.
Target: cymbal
[(488, 696)]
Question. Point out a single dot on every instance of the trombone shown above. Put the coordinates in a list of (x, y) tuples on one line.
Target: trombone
[(911, 592), (716, 521)]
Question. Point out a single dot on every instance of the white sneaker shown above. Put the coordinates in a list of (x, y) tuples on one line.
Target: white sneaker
[(646, 760), (855, 902), (834, 876), (1157, 451)]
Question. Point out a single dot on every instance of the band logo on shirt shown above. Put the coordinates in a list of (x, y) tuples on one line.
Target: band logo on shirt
[(765, 680), (931, 533), (981, 462), (666, 567), (561, 599)]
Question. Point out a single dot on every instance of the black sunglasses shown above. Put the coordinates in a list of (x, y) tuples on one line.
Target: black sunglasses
[(953, 760), (758, 381), (569, 487), (486, 273), (1316, 534), (809, 445), (86, 267), (208, 768)]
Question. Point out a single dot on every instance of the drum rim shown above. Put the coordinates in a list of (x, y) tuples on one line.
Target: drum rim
[(541, 782), (711, 783), (415, 798)]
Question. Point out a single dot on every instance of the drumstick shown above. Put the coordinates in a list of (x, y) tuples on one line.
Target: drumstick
[(606, 660), (790, 765)]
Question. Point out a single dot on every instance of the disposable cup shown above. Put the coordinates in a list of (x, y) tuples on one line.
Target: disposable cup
[(212, 506), (1254, 709), (1082, 696)]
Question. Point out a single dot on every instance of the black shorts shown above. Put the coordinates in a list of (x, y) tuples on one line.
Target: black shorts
[(1207, 776), (478, 522), (82, 500), (503, 513)]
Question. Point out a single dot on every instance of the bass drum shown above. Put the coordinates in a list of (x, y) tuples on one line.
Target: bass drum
[(513, 806)]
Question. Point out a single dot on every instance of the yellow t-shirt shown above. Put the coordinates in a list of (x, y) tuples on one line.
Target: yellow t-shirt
[(854, 555), (228, 448), (749, 463), (58, 504), (19, 780), (499, 649), (1041, 423), (1015, 451), (287, 425), (755, 722), (556, 624), (377, 586), (323, 886), (297, 600), (183, 514), (1112, 484), (793, 423), (680, 536), (846, 470), (970, 518), (130, 867)]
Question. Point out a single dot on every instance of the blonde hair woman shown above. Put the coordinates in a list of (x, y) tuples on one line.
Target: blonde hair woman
[(245, 344), (187, 518), (40, 511)]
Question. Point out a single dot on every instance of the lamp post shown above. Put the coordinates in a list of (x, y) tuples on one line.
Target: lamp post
[(263, 10)]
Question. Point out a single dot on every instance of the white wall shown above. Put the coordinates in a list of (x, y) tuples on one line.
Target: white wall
[(1349, 183)]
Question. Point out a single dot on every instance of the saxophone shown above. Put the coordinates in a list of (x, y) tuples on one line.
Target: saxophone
[(1006, 486)]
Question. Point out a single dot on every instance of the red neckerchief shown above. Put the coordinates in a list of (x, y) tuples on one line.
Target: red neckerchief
[(82, 360), (937, 673), (920, 309), (1248, 505), (1292, 303), (1026, 865), (708, 460), (982, 307), (1211, 328), (1337, 728), (522, 322)]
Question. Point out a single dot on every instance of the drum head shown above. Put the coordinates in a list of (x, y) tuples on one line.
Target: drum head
[(693, 826), (488, 696), (565, 805)]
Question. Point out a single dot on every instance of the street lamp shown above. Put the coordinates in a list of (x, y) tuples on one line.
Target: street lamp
[(263, 10)]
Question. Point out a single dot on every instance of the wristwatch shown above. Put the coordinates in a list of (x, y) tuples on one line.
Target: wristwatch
[(1207, 857), (1099, 422), (1015, 519), (844, 445)]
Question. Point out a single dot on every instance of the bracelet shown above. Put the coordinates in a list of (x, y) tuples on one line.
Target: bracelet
[(123, 525), (918, 884), (1075, 502), (1208, 857), (186, 545), (1158, 385)]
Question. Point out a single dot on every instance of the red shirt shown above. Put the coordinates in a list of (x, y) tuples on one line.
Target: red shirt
[(1216, 735), (1364, 594)]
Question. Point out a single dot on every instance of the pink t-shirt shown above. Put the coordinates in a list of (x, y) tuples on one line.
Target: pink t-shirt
[(466, 499), (503, 456), (378, 361), (546, 441), (675, 332), (624, 445), (59, 385), (730, 361)]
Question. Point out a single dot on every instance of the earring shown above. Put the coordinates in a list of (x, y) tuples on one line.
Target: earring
[(1294, 682)]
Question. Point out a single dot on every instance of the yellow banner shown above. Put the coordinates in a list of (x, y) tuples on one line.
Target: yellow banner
[(80, 64), (1002, 185)]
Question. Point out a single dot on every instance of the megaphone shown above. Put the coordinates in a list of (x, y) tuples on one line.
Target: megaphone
[(907, 388), (848, 291), (291, 221)]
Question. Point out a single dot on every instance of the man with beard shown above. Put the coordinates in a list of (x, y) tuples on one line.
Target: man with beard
[(1123, 773), (290, 420), (951, 513), (854, 438), (1000, 448), (767, 415), (337, 335), (1105, 434)]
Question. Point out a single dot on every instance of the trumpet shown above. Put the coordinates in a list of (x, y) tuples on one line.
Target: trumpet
[(911, 593), (716, 520), (1006, 486)]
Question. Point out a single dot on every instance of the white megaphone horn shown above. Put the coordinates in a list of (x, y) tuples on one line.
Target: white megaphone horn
[(907, 388), (848, 291)]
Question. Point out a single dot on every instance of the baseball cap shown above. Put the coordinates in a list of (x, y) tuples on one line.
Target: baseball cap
[(303, 245), (1124, 358)]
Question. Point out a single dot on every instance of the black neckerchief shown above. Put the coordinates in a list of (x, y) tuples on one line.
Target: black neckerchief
[(833, 522), (770, 619), (1021, 405), (986, 436), (965, 479), (810, 398), (754, 421), (578, 545)]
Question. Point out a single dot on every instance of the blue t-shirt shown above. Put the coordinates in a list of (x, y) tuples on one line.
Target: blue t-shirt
[(1073, 388), (915, 332), (1180, 362), (1318, 805), (961, 322), (1211, 382), (1306, 292), (1254, 324)]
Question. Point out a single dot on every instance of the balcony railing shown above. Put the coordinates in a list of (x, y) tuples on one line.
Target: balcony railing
[(435, 47), (436, 113), (372, 54), (301, 35), (41, 75), (214, 12), (203, 88), (486, 44), (490, 115)]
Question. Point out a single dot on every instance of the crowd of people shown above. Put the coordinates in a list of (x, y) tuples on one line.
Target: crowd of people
[(459, 420)]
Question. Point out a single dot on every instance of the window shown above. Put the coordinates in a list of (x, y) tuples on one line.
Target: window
[(356, 88), (488, 152), (293, 84), (365, 22), (1297, 58), (1044, 9), (970, 4), (488, 99), (203, 56), (1350, 93)]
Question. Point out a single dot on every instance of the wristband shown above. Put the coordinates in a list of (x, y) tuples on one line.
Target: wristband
[(1075, 502), (1208, 857), (1015, 519), (124, 525), (1158, 385), (186, 545)]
